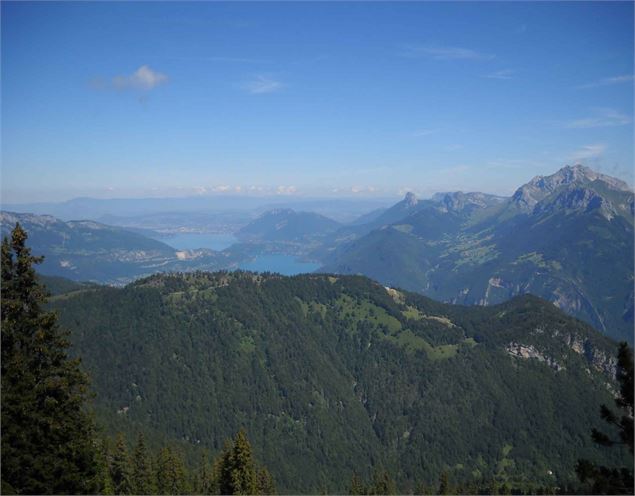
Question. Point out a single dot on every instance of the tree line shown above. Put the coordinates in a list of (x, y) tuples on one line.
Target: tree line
[(140, 471)]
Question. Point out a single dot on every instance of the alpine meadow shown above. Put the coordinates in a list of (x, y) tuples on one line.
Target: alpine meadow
[(356, 247)]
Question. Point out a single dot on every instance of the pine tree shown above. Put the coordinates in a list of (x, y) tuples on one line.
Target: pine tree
[(142, 476), (235, 471), (422, 488), (171, 477), (164, 471), (383, 483), (121, 468), (106, 485), (444, 484), (495, 487), (605, 480), (357, 486), (266, 484), (243, 472), (221, 470), (204, 477), (47, 435), (181, 478)]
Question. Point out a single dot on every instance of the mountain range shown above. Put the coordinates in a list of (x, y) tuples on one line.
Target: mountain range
[(567, 237)]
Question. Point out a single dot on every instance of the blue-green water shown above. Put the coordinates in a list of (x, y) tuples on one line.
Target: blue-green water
[(192, 241), (286, 265)]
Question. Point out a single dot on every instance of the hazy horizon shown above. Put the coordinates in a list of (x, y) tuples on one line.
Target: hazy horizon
[(127, 100)]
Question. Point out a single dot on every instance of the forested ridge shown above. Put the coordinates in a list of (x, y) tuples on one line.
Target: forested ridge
[(342, 385), (337, 375)]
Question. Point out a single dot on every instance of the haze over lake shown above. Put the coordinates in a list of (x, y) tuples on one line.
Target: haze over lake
[(193, 241)]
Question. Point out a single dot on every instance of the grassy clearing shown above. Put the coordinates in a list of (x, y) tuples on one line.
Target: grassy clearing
[(365, 311), (416, 314), (393, 331)]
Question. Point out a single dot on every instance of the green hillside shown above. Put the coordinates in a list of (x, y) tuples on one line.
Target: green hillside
[(332, 375)]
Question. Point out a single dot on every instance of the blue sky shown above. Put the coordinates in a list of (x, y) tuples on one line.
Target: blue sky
[(164, 99)]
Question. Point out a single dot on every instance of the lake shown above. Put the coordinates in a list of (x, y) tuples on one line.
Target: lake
[(286, 265), (192, 241)]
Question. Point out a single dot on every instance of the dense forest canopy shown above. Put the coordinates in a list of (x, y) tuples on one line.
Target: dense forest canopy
[(335, 375)]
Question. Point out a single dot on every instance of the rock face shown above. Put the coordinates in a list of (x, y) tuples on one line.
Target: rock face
[(410, 200), (530, 351), (594, 356), (576, 198), (540, 187), (597, 358)]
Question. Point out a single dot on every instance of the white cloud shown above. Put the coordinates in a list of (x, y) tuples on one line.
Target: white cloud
[(604, 117), (502, 74), (286, 190), (588, 152), (356, 190), (440, 52), (144, 78), (262, 84), (609, 81)]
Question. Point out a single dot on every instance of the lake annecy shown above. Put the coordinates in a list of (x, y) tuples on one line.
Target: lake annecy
[(283, 264), (286, 265)]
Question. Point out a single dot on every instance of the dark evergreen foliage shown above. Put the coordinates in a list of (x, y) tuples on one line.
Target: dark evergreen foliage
[(444, 484), (236, 471), (47, 435), (614, 480), (171, 476), (142, 474), (332, 375), (121, 468)]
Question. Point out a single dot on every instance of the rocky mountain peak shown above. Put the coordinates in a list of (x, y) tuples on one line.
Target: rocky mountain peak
[(527, 196), (410, 199)]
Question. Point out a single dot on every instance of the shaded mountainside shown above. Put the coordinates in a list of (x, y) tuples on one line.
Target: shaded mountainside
[(287, 225), (567, 238), (56, 285), (91, 251), (332, 375)]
